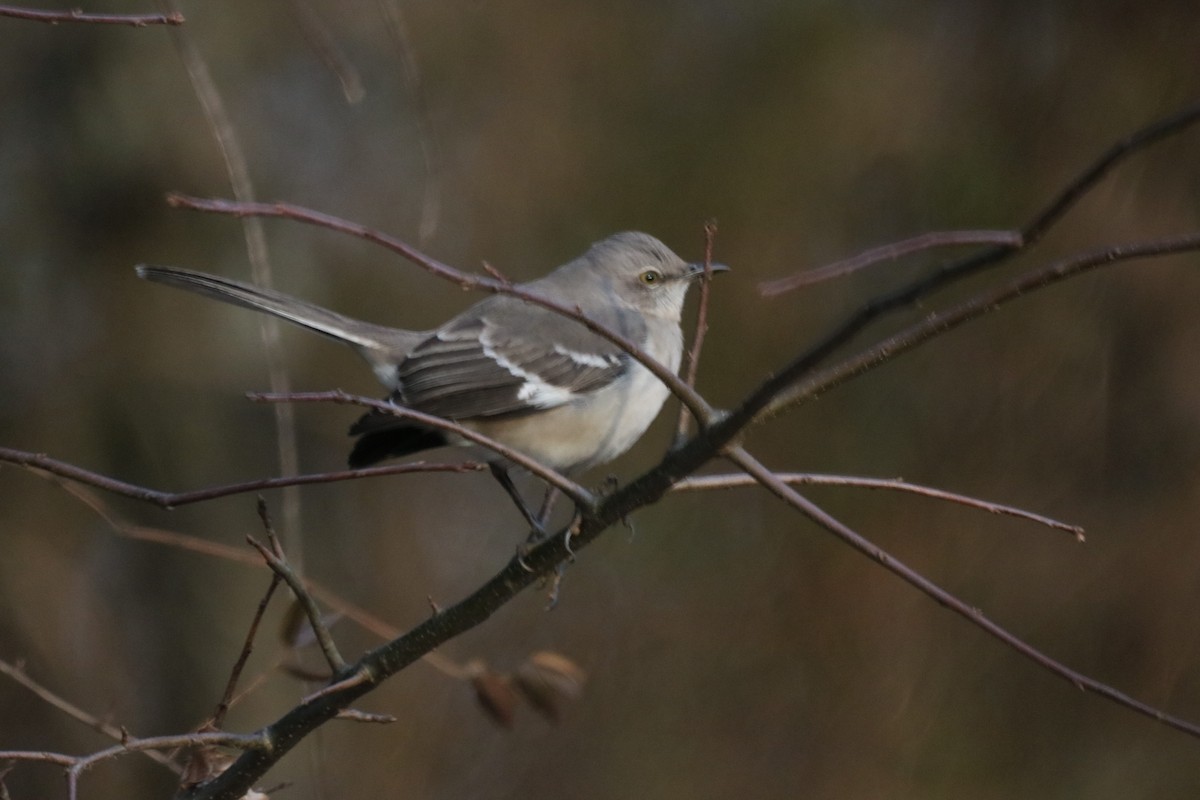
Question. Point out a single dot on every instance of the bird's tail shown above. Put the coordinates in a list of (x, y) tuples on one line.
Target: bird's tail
[(382, 347)]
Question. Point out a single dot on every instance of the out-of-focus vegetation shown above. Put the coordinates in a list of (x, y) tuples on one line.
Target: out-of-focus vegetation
[(733, 650)]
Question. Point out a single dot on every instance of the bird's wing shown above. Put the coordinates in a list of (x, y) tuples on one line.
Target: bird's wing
[(484, 365)]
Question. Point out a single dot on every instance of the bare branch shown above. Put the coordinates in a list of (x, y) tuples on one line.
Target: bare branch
[(237, 741), (76, 15), (278, 564), (951, 273), (62, 759), (1137, 141), (941, 322), (63, 469), (235, 674), (683, 425), (17, 674), (973, 615), (889, 252), (236, 555), (708, 482)]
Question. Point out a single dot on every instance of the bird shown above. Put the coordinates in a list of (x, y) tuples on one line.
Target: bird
[(521, 374)]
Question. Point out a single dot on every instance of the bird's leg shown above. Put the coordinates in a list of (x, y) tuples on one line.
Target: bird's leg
[(543, 515), (540, 531), (500, 473)]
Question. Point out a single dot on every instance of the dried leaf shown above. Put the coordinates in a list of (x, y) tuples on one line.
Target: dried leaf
[(495, 694), (549, 681)]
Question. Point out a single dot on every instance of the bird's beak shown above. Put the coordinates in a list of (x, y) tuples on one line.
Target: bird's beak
[(696, 269)]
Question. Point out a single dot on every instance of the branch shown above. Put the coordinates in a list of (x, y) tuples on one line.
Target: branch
[(17, 674), (708, 482), (955, 271), (889, 252), (686, 394), (76, 15), (168, 500), (944, 321), (682, 426), (279, 565), (772, 483), (235, 674)]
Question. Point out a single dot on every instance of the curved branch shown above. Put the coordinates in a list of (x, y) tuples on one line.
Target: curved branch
[(169, 500), (943, 321), (787, 494), (955, 271)]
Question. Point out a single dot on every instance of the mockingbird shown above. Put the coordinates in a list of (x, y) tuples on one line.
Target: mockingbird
[(531, 379)]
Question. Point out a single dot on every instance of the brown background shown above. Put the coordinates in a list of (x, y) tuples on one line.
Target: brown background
[(733, 649)]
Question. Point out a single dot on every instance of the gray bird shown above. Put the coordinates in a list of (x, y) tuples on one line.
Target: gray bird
[(521, 374)]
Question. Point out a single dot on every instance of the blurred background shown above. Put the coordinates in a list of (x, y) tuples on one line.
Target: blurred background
[(732, 648)]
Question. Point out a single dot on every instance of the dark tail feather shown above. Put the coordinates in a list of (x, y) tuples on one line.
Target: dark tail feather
[(382, 436)]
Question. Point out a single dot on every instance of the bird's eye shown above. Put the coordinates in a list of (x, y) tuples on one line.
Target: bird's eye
[(650, 277)]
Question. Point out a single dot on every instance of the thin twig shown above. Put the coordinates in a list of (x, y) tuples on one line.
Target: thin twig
[(17, 674), (1137, 141), (693, 356), (76, 15), (683, 426), (769, 391), (772, 483), (889, 252), (734, 481), (182, 541), (686, 394), (235, 674), (943, 321), (63, 469), (279, 565), (236, 741), (62, 759)]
